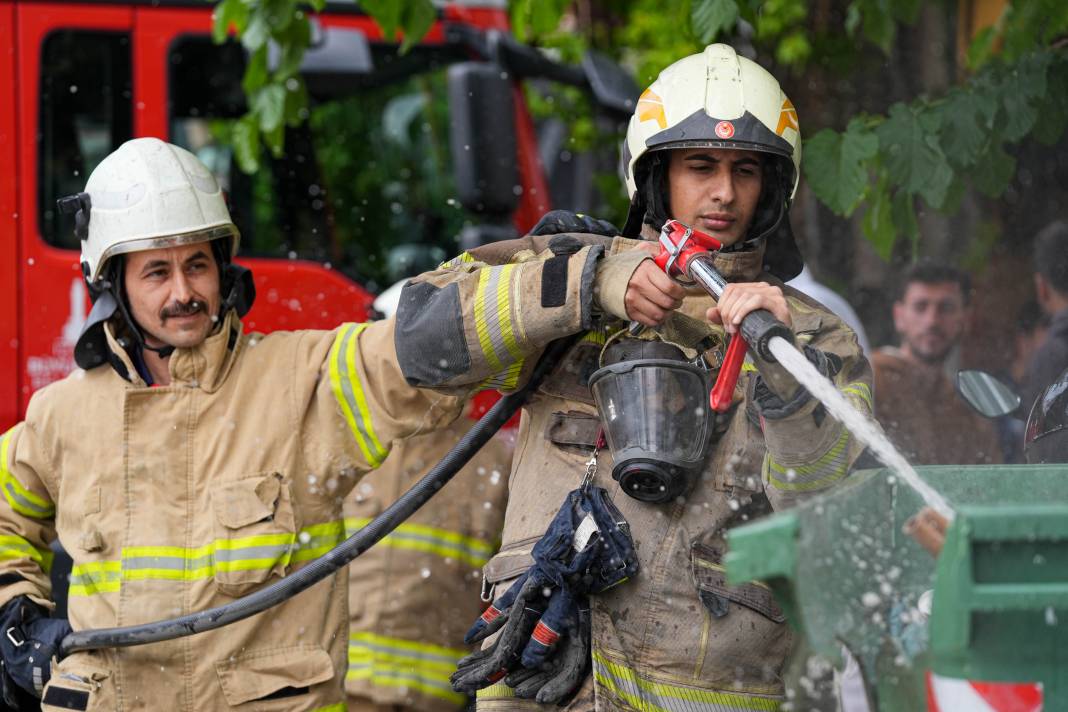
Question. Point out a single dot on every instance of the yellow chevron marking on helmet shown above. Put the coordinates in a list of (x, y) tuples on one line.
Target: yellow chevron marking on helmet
[(787, 118), (651, 106)]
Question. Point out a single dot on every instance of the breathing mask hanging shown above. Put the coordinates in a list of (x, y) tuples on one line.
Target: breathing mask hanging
[(653, 404)]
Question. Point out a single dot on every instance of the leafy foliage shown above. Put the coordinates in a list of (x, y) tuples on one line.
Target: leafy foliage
[(276, 94), (930, 149)]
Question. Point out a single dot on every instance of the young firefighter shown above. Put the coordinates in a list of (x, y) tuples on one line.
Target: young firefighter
[(714, 143), (189, 463)]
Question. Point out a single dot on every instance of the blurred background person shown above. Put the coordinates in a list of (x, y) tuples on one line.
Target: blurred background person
[(916, 401), (1051, 289)]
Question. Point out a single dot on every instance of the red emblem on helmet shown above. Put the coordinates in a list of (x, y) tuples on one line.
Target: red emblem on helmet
[(725, 129)]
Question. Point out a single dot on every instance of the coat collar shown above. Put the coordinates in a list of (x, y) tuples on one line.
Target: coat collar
[(204, 366)]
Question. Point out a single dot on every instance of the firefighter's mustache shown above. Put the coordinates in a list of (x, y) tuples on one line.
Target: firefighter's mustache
[(193, 306)]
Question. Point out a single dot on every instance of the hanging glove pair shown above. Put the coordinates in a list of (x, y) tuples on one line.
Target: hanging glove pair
[(543, 649), (29, 639)]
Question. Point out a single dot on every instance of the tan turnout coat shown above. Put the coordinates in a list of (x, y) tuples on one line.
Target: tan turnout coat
[(175, 499), (414, 595), (657, 644)]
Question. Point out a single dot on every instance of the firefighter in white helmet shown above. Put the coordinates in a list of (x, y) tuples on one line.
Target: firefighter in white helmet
[(714, 143), (188, 463)]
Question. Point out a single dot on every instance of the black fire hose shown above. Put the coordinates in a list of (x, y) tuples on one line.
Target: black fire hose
[(343, 553)]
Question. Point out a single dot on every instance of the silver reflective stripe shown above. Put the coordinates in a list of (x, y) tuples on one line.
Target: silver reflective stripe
[(648, 696), (493, 316)]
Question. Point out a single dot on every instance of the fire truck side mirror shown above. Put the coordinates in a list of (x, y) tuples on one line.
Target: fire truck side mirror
[(483, 138)]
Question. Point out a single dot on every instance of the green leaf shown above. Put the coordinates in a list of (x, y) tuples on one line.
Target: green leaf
[(385, 13), (246, 140), (228, 12), (834, 165), (255, 71), (296, 106), (293, 43), (878, 222), (544, 16), (280, 14), (982, 48), (908, 145), (417, 18), (1022, 89), (794, 49), (269, 104), (966, 116), (903, 212), (877, 23), (711, 17), (993, 171), (258, 31), (1053, 111)]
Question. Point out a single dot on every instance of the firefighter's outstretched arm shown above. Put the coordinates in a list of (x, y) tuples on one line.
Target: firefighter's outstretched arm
[(479, 319)]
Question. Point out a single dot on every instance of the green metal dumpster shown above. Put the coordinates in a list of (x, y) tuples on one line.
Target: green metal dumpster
[(992, 609)]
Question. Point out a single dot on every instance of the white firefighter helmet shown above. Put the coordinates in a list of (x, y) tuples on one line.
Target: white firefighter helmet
[(720, 100), (149, 194)]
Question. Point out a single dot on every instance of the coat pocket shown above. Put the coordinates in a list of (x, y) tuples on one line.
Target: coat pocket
[(277, 674), (710, 577), (78, 685), (255, 532)]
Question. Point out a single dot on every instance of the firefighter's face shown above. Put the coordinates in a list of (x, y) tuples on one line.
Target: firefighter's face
[(930, 319), (174, 294), (715, 190)]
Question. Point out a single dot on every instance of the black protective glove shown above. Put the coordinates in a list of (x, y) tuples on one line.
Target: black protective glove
[(555, 222), (558, 678), (29, 639), (516, 619)]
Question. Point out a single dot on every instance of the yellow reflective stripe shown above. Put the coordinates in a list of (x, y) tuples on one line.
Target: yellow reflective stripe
[(95, 577), (442, 542), (832, 466), (596, 336), (177, 563), (21, 499), (316, 540), (493, 317), (460, 258), (505, 380), (14, 547), (396, 662), (337, 707), (648, 696), (861, 390), (497, 690), (349, 393)]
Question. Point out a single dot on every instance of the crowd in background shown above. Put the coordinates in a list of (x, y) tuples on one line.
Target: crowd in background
[(916, 398)]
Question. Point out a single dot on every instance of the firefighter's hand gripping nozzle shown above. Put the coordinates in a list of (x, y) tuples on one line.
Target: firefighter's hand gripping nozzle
[(685, 252)]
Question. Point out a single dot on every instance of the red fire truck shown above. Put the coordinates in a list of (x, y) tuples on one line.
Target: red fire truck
[(439, 152)]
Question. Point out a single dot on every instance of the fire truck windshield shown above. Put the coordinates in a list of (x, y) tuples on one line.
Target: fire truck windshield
[(365, 185)]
